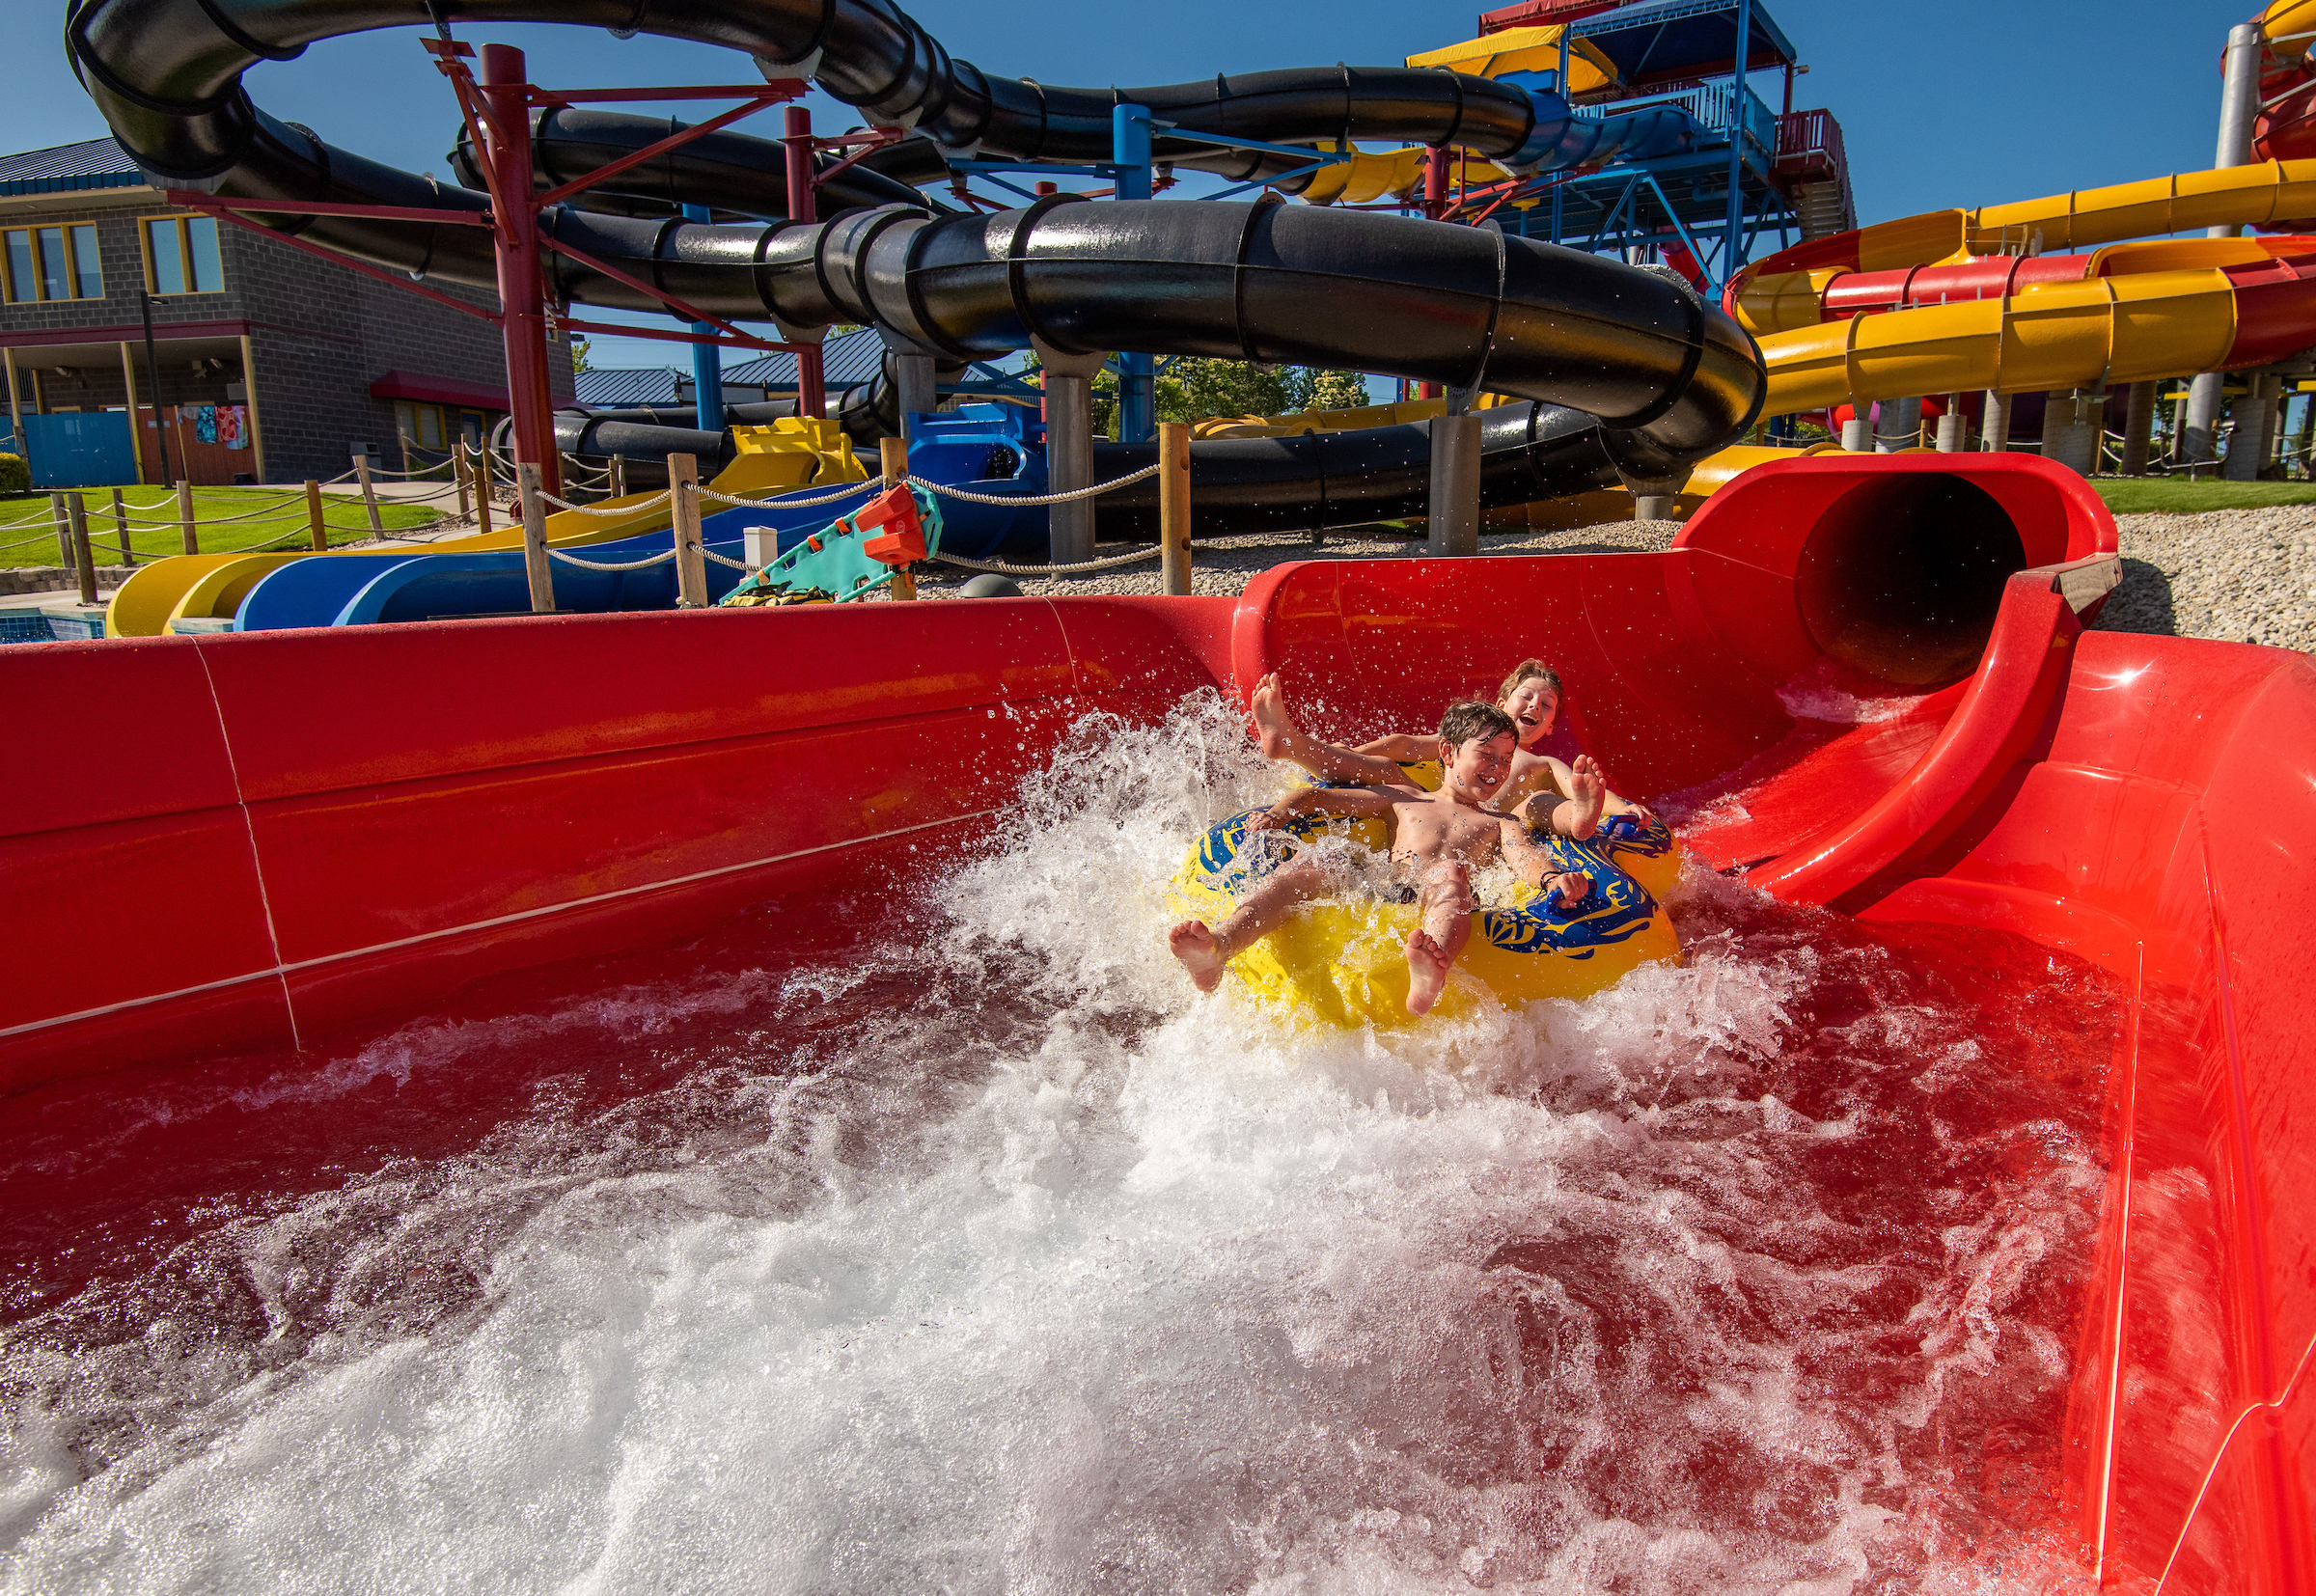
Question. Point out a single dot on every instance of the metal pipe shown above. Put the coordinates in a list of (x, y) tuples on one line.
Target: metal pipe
[(804, 206), (522, 300), (1451, 510), (1732, 243), (1069, 465), (708, 361), (1137, 381), (152, 374), (2239, 104)]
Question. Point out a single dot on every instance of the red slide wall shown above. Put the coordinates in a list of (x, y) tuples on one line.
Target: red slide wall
[(242, 840)]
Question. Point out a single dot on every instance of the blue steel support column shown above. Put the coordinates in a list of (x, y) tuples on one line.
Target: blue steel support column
[(1731, 240), (1560, 185), (1137, 381), (708, 364)]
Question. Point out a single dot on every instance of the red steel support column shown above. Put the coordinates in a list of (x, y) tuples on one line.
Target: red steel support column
[(812, 390), (521, 299)]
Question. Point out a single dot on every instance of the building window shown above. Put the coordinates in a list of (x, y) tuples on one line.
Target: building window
[(53, 263), (420, 423), (181, 254), (438, 426)]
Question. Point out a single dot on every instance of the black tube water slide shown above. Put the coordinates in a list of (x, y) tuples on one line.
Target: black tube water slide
[(736, 174), (1669, 377)]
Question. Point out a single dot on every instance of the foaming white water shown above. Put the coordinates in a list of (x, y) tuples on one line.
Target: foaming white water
[(1051, 1277)]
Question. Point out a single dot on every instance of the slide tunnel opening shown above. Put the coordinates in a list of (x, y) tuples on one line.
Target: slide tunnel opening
[(1902, 576)]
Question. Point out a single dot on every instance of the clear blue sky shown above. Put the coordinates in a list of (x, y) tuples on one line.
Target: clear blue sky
[(1972, 102)]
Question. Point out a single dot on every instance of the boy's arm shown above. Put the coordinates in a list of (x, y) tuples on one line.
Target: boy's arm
[(1410, 746), (1283, 739), (1529, 862), (1322, 801)]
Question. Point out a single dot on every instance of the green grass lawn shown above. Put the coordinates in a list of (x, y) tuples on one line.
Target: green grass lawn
[(28, 538), (2178, 496)]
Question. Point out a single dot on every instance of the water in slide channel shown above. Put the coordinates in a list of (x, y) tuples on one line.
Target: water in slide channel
[(928, 1234)]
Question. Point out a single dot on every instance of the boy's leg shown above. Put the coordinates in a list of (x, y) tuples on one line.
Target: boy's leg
[(1435, 945), (1577, 815), (1205, 950), (1280, 738)]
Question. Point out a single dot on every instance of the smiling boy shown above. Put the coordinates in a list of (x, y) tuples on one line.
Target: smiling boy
[(1438, 838)]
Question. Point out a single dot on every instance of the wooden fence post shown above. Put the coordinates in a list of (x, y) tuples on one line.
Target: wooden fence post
[(84, 558), (458, 474), (314, 522), (185, 523), (618, 475), (536, 564), (63, 530), (370, 495), (893, 459), (1173, 507), (404, 438), (478, 473), (691, 565), (128, 555)]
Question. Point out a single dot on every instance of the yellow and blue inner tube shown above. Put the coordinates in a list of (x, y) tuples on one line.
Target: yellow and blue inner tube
[(1344, 960)]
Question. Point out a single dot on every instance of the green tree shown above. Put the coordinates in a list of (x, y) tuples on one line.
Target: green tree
[(579, 361), (1339, 391), (1193, 389)]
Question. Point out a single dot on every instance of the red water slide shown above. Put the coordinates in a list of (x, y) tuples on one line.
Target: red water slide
[(239, 853)]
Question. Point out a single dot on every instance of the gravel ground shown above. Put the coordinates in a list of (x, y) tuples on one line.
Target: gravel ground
[(2235, 575)]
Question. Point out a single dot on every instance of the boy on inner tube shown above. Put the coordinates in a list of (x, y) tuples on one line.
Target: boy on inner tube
[(1530, 695), (1437, 838)]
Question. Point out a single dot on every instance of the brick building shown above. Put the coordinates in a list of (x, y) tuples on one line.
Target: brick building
[(272, 364)]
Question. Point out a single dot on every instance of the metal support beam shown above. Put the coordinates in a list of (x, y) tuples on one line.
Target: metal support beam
[(707, 362), (1137, 378), (1068, 448), (522, 306), (811, 391)]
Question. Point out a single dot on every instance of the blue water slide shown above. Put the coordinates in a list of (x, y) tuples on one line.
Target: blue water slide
[(1564, 137), (310, 592)]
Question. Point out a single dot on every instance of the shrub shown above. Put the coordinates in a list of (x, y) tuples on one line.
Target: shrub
[(15, 476)]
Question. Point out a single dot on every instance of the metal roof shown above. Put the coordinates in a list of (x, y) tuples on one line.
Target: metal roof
[(1670, 39), (91, 163), (845, 359), (621, 386)]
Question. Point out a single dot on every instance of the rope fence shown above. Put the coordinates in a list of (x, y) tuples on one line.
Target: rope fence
[(84, 528), (629, 565)]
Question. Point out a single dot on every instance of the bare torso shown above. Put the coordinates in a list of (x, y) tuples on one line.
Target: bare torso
[(1435, 826)]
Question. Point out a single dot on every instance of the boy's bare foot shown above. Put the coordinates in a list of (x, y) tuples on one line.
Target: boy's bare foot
[(1572, 887), (1589, 794), (1273, 726), (1201, 954), (1427, 971)]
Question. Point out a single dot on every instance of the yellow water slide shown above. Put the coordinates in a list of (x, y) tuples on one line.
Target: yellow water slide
[(2160, 309), (785, 456)]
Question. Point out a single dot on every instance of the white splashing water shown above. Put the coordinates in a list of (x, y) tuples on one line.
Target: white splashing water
[(1001, 1263)]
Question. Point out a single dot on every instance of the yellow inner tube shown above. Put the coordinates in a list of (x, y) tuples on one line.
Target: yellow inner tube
[(1344, 961)]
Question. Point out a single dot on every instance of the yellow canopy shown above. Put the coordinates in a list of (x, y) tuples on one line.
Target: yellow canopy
[(1527, 50)]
